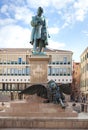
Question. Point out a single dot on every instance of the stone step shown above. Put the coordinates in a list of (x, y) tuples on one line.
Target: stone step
[(38, 110), (38, 114), (43, 123), (35, 129), (38, 107), (22, 114)]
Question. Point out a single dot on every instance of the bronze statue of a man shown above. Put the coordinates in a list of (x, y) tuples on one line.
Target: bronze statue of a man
[(39, 35)]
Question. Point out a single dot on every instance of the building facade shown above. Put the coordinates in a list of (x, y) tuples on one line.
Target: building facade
[(76, 81), (84, 71), (15, 69)]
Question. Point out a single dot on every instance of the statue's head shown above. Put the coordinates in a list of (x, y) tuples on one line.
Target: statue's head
[(40, 11), (52, 84)]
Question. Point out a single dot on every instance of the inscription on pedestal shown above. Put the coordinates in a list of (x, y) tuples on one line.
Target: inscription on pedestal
[(38, 69)]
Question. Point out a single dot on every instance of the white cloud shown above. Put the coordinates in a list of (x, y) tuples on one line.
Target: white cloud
[(80, 15), (7, 21), (60, 13), (65, 25), (53, 30), (14, 36), (76, 10), (81, 4), (81, 9), (68, 18), (56, 45), (4, 10), (23, 14), (17, 12), (85, 32), (37, 3), (59, 4), (71, 11)]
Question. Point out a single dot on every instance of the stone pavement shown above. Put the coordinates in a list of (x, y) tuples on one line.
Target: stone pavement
[(83, 115), (37, 129)]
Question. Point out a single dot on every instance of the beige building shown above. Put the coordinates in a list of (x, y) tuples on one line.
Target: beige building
[(84, 71), (15, 69), (76, 81)]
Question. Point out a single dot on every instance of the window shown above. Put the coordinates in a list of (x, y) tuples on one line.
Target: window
[(19, 72), (49, 71), (57, 71), (4, 71), (19, 60), (0, 86), (69, 71), (53, 62), (27, 70), (69, 62), (5, 87), (12, 71), (85, 56), (61, 71), (53, 71), (64, 71), (9, 86), (23, 71), (61, 62), (14, 86), (8, 71), (16, 71), (65, 60), (57, 62)]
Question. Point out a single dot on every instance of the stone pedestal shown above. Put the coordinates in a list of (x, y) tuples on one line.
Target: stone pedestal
[(35, 114), (38, 68), (35, 107)]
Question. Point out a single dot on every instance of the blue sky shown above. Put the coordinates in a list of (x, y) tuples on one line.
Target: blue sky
[(67, 24)]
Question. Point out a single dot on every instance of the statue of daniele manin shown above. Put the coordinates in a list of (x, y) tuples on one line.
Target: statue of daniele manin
[(39, 35)]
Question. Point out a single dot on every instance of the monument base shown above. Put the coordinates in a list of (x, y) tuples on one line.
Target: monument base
[(38, 68), (35, 114), (33, 106), (43, 123)]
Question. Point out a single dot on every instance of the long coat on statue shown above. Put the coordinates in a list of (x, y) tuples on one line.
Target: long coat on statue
[(39, 30)]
